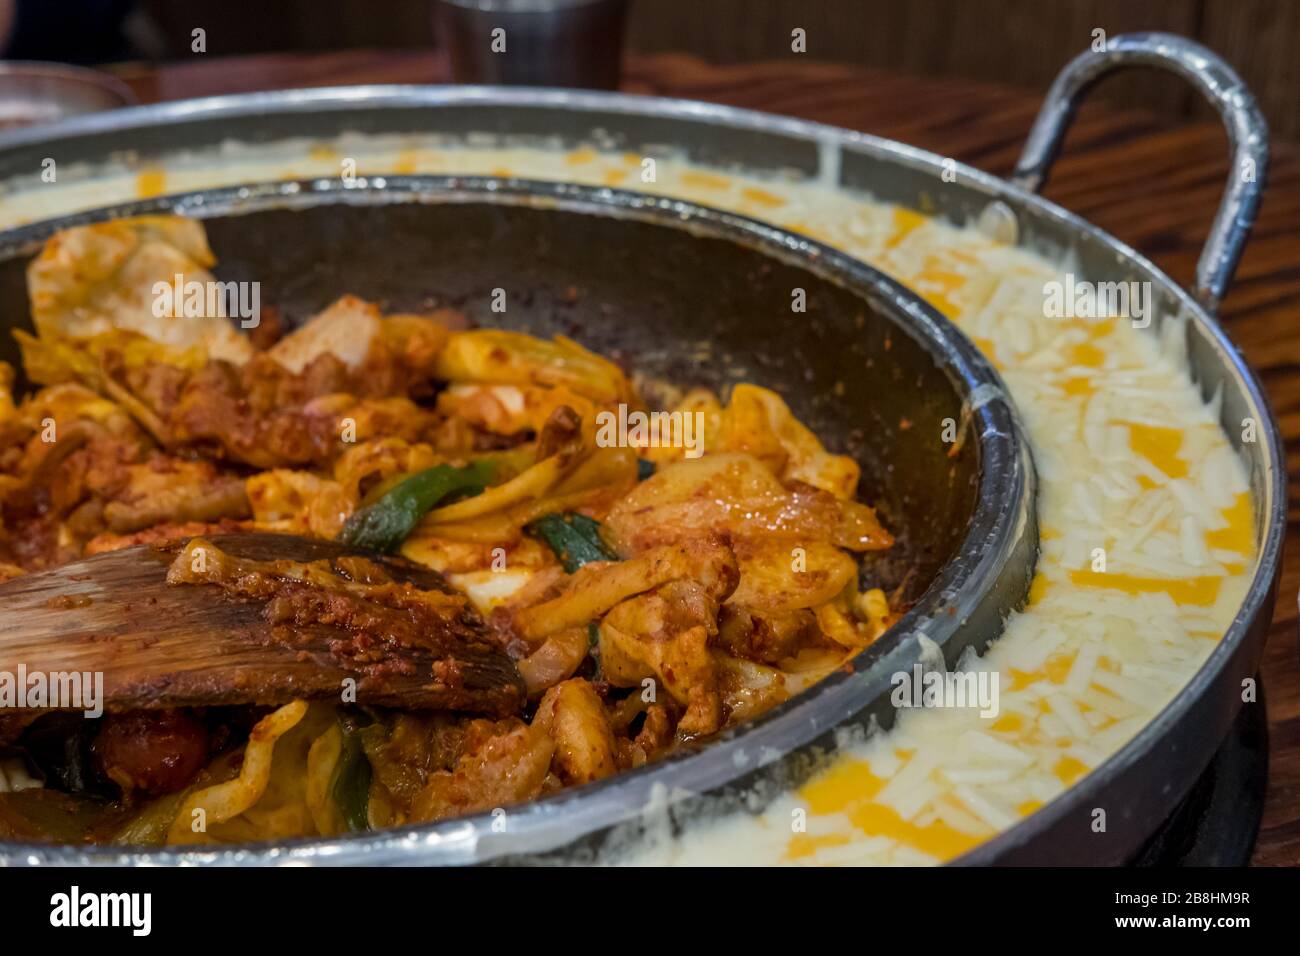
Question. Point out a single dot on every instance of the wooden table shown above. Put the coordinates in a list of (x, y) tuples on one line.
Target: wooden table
[(1152, 183)]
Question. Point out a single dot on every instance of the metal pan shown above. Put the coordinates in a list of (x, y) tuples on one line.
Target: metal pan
[(673, 282), (1154, 770)]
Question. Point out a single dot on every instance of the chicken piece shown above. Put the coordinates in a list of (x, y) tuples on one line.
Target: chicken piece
[(734, 494), (266, 417), (748, 689), (81, 467), (756, 421), (258, 412), (778, 576), (173, 490), (47, 482), (600, 585), (60, 418), (665, 634), (765, 637), (656, 733), (575, 718), (789, 543), (559, 656), (503, 763), (107, 541), (54, 477), (298, 502)]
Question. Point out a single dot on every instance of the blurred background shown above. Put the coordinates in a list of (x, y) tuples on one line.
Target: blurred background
[(1017, 42)]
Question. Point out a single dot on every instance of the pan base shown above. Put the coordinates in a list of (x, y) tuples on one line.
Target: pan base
[(1217, 822)]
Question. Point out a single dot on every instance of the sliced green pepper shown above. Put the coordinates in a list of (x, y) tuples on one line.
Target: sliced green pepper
[(644, 469), (574, 538), (384, 525), (351, 788)]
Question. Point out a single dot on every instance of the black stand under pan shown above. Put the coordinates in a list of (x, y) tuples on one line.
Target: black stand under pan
[(1217, 822)]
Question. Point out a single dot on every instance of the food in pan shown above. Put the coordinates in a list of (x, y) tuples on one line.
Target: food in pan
[(655, 575)]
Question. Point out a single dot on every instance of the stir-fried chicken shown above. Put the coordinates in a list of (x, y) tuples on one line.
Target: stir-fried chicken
[(646, 596)]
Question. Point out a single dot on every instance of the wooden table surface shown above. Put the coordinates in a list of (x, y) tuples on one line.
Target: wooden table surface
[(1152, 183)]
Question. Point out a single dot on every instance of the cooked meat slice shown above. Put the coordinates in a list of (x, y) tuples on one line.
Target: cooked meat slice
[(598, 586), (559, 656), (504, 763), (736, 495), (159, 533), (574, 716), (761, 636), (778, 577), (262, 415), (166, 489), (665, 634)]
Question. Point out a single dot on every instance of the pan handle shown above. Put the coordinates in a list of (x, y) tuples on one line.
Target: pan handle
[(1218, 83)]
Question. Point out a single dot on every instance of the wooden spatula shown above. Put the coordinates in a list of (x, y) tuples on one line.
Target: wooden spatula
[(181, 645)]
